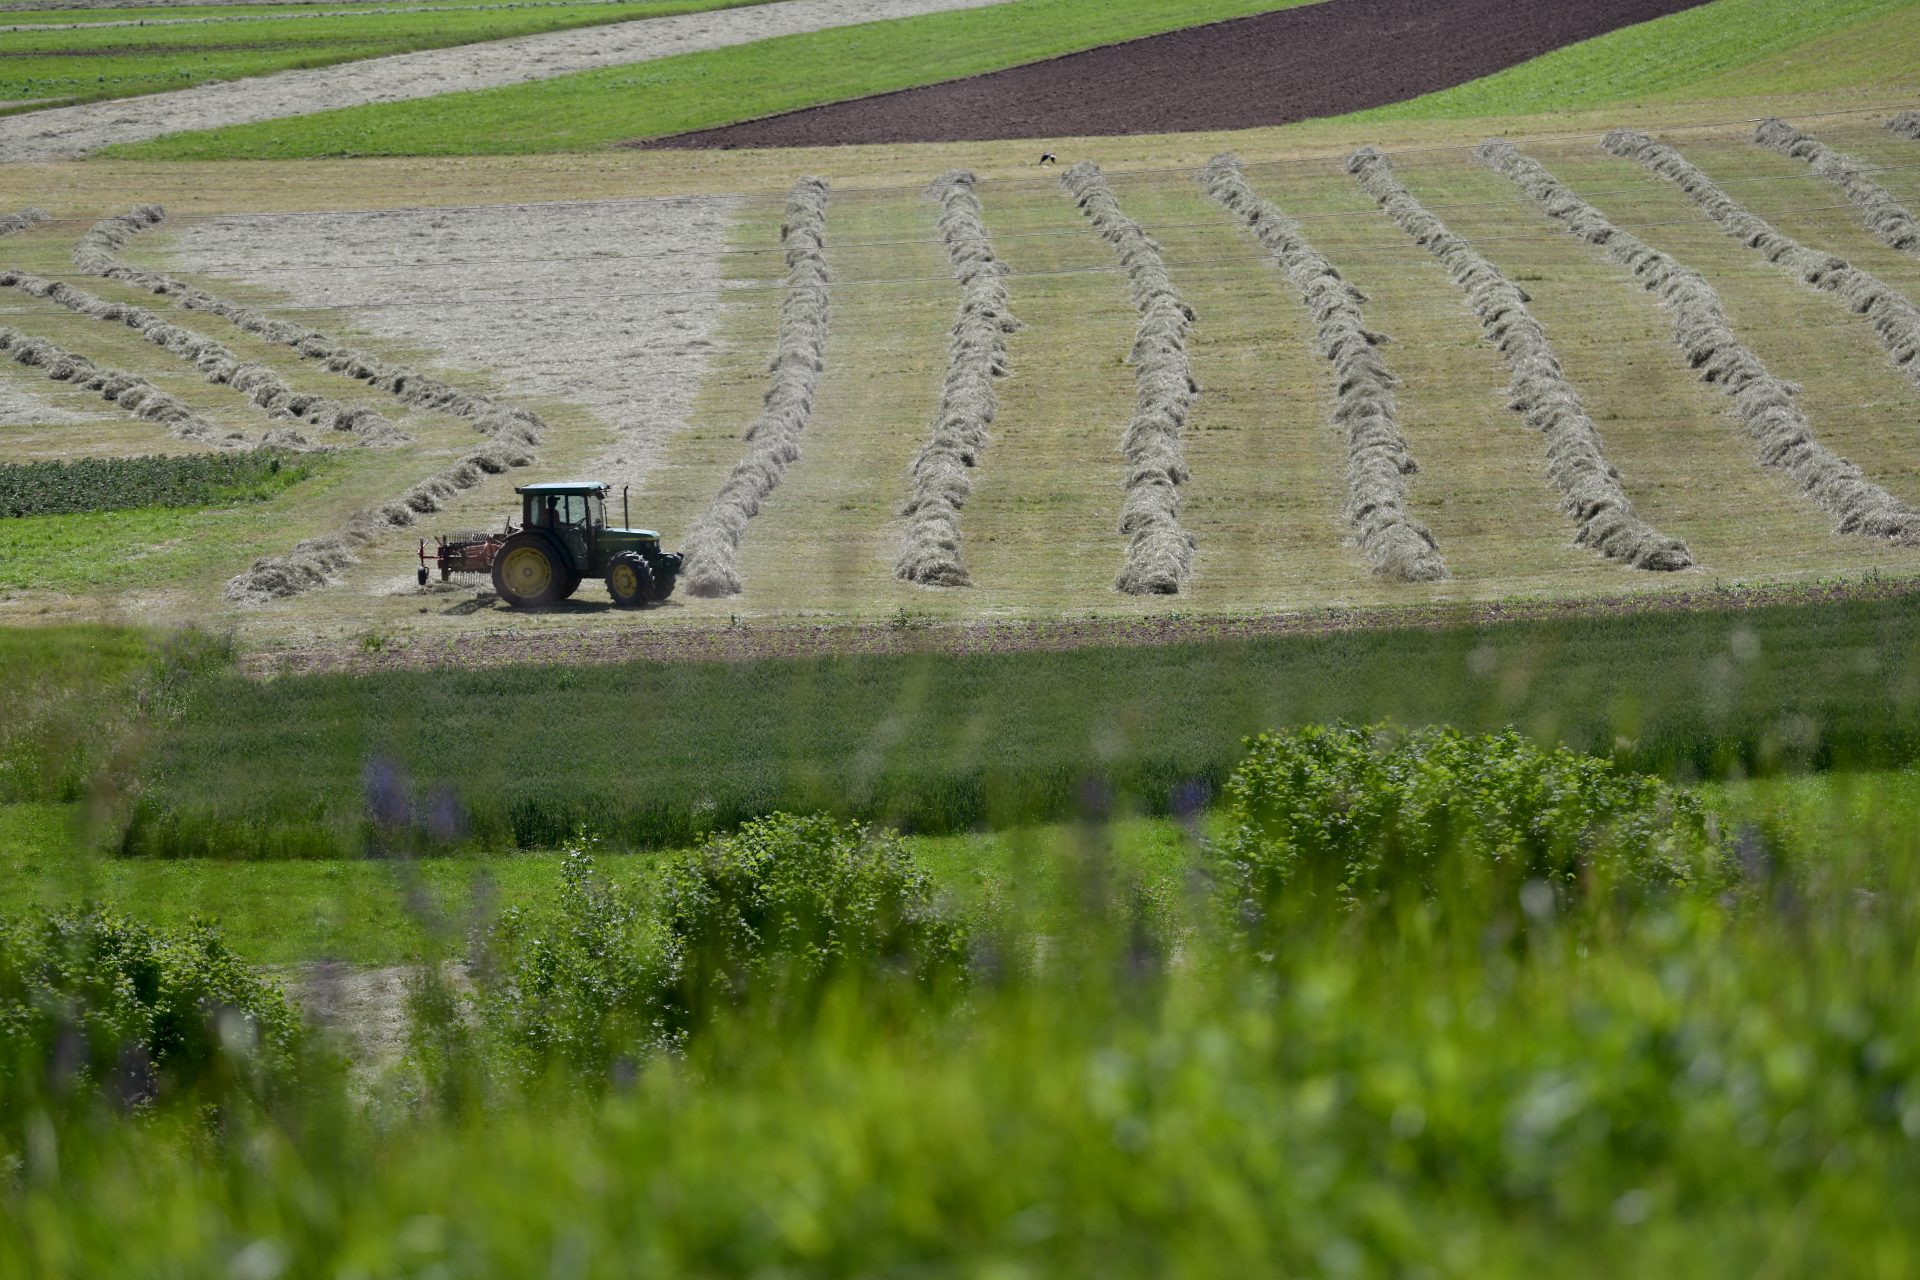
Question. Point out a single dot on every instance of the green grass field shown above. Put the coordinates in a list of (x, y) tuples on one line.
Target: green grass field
[(651, 755), (45, 68), (1461, 1015), (596, 108), (1733, 48), (1729, 49)]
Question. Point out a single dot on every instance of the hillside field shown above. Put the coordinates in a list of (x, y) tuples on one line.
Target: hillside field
[(1265, 496), (1339, 698)]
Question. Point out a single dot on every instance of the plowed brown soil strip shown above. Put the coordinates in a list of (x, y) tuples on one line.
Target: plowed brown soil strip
[(1322, 60)]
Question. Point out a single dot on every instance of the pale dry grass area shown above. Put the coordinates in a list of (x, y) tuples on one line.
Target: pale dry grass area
[(1041, 536)]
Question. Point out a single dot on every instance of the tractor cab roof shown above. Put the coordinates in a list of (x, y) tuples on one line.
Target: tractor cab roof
[(564, 487)]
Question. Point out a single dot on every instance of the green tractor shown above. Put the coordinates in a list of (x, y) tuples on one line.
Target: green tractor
[(563, 539)]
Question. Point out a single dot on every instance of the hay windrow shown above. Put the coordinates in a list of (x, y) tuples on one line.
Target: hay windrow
[(501, 422), (1885, 216), (1895, 319), (1378, 458), (511, 430), (941, 475), (216, 363), (315, 562), (1762, 404), (12, 222), (1906, 124), (130, 392), (1590, 491), (1159, 551), (712, 547)]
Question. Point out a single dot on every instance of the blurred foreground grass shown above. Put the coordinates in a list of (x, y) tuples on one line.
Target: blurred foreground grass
[(1495, 1081)]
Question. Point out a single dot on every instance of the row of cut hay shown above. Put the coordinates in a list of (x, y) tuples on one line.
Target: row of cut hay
[(216, 363), (515, 428), (1906, 124), (128, 391), (1159, 551), (1763, 405), (511, 430), (315, 562), (773, 439), (977, 355), (1894, 317), (1590, 491), (1378, 458), (12, 222), (1885, 216)]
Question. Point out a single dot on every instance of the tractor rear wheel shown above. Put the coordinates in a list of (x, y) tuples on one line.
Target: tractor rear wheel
[(530, 573), (630, 580)]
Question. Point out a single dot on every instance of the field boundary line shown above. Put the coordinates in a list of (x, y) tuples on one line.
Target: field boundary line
[(744, 643)]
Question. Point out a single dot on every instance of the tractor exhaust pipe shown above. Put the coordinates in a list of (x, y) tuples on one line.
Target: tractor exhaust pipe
[(626, 512)]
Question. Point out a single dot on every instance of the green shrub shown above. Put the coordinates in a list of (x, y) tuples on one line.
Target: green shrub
[(93, 1002), (788, 904), (768, 917), (576, 985), (1361, 814)]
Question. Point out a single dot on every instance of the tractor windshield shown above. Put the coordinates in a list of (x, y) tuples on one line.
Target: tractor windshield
[(596, 512)]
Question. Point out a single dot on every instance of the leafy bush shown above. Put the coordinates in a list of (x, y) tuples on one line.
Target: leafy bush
[(787, 904), (577, 984), (120, 484), (91, 1001), (767, 916), (1359, 814)]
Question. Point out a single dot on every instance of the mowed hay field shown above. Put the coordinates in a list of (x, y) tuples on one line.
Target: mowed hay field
[(1265, 497)]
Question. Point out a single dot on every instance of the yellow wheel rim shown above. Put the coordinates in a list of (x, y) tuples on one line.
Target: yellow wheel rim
[(526, 572), (625, 581)]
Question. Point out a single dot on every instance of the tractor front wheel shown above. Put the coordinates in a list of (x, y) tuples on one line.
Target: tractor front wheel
[(630, 580), (529, 573)]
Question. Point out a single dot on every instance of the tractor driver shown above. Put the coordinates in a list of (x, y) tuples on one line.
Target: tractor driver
[(550, 512)]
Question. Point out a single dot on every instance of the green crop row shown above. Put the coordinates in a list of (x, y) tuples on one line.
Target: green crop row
[(159, 480)]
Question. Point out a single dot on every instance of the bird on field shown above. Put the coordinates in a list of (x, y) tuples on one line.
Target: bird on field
[(1047, 157)]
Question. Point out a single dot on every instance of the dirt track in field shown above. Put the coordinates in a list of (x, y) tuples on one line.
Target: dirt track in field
[(1321, 60), (60, 132), (567, 647)]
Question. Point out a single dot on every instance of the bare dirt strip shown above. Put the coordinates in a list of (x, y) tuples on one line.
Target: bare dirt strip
[(60, 132), (1321, 60), (740, 643)]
